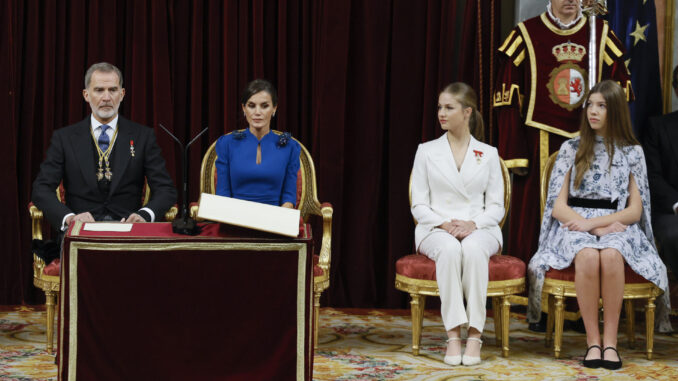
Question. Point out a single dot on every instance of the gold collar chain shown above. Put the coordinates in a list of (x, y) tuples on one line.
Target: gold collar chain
[(103, 157)]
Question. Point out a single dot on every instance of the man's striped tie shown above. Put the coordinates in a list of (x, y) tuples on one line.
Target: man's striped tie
[(104, 140)]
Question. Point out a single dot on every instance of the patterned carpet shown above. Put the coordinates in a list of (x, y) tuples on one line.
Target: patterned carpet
[(22, 345), (375, 345)]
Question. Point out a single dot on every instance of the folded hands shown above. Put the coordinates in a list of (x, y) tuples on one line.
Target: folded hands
[(458, 228), (586, 225)]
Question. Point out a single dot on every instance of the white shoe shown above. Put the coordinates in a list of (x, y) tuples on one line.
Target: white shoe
[(453, 360), (468, 360)]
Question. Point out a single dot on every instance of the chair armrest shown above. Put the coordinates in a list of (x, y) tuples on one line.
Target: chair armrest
[(38, 266), (36, 221), (171, 213), (326, 246), (193, 211)]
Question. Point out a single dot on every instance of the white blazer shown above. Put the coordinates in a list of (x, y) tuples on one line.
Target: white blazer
[(441, 193)]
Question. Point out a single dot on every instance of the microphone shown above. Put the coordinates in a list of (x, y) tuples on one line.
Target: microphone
[(184, 224)]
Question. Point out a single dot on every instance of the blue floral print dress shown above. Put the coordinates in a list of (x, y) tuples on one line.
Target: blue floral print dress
[(558, 246)]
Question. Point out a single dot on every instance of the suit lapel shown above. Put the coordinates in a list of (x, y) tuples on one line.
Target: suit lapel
[(120, 155), (444, 161), (81, 144), (472, 160)]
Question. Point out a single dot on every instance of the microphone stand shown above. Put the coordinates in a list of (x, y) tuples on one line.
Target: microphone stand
[(184, 224)]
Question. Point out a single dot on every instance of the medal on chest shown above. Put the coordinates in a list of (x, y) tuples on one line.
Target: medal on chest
[(104, 164), (101, 174), (478, 155), (567, 82)]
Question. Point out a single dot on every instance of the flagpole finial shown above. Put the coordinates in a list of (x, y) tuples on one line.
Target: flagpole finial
[(594, 7)]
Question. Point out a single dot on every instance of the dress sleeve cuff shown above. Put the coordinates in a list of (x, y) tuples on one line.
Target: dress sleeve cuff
[(63, 222), (147, 212)]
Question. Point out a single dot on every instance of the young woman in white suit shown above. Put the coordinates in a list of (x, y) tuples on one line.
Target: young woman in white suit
[(458, 202)]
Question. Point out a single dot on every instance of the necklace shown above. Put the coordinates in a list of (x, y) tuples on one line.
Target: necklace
[(103, 158)]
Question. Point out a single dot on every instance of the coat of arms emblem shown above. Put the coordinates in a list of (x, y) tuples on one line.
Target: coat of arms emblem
[(567, 83)]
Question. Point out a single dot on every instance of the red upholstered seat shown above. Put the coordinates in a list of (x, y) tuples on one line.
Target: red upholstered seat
[(418, 266), (567, 274), (53, 268), (506, 267), (631, 276), (317, 270)]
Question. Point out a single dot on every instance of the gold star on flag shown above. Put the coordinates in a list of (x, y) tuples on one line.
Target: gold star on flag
[(639, 33), (627, 63)]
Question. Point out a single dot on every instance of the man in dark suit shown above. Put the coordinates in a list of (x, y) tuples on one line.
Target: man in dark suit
[(661, 153), (103, 161)]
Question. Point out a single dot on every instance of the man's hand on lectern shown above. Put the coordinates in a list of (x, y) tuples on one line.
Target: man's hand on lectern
[(133, 218), (84, 217)]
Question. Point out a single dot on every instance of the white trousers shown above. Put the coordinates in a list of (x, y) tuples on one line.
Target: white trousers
[(462, 272)]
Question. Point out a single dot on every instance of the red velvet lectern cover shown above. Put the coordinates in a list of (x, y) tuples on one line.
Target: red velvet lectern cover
[(151, 305)]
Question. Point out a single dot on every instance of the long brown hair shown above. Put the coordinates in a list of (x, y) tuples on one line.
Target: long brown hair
[(465, 95), (617, 130)]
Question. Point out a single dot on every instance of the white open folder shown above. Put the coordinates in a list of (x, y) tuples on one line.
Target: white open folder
[(248, 214)]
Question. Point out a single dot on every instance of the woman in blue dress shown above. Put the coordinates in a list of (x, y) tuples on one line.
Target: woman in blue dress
[(257, 164), (597, 215)]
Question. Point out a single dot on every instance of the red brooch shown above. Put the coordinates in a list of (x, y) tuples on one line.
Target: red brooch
[(478, 155)]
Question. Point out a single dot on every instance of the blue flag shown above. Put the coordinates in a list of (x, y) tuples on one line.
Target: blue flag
[(635, 23)]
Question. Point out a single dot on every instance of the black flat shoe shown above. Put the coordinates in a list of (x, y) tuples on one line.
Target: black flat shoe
[(612, 365), (539, 326), (593, 363)]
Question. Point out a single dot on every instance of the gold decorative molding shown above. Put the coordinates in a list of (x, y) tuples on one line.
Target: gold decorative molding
[(72, 297), (417, 286), (516, 163), (36, 221), (504, 287), (76, 228)]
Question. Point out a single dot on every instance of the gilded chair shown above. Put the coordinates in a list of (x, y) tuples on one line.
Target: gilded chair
[(559, 284), (46, 276), (308, 205), (416, 275)]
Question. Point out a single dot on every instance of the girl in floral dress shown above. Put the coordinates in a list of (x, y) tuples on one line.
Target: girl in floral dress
[(597, 216)]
